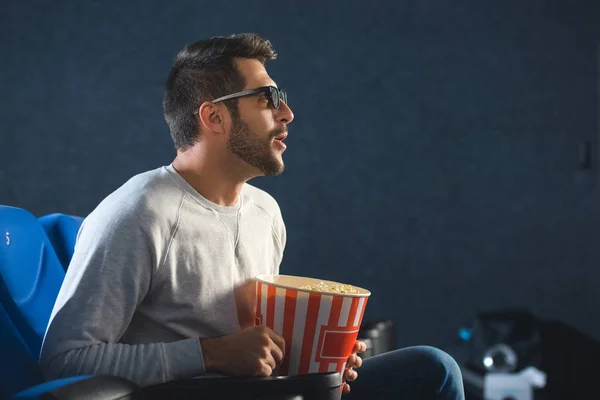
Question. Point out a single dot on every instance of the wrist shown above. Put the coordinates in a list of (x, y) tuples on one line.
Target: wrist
[(207, 346)]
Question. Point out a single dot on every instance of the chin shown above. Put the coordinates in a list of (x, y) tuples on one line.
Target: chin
[(274, 171)]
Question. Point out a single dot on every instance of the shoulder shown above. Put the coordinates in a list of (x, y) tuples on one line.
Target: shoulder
[(147, 200)]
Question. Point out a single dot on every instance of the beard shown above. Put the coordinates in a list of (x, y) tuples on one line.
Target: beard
[(253, 149)]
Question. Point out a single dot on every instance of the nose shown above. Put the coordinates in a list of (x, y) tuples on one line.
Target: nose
[(284, 113)]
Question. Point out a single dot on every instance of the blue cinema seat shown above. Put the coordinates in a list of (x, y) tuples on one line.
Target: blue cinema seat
[(30, 278), (19, 373), (62, 231), (18, 367), (30, 274), (20, 378)]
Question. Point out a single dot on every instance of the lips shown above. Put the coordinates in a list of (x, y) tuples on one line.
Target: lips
[(281, 136), (278, 141)]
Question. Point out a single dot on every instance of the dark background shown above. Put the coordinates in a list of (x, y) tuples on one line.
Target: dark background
[(443, 155)]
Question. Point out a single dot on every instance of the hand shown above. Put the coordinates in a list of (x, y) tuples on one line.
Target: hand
[(254, 351), (354, 361)]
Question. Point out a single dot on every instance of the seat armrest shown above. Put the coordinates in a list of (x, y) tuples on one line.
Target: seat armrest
[(317, 386), (83, 387)]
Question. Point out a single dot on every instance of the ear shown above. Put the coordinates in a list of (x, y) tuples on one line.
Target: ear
[(211, 117)]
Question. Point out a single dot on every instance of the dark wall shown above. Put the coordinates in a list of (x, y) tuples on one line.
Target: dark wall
[(443, 155)]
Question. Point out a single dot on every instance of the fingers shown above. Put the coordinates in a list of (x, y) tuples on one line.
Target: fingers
[(354, 361), (266, 369), (346, 388), (359, 347), (276, 344), (278, 340), (350, 375), (268, 364), (276, 353)]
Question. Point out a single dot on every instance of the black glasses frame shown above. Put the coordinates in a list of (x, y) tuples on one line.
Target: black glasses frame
[(274, 95)]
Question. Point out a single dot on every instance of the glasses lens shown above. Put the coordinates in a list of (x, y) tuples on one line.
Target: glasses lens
[(274, 94), (283, 96)]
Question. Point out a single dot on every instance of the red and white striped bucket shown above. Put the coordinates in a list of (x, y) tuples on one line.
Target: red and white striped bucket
[(319, 328)]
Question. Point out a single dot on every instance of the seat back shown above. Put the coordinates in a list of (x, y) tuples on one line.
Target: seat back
[(30, 274), (18, 366), (62, 231)]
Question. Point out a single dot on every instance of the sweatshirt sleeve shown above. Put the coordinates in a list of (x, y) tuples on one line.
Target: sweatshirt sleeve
[(109, 276), (280, 234)]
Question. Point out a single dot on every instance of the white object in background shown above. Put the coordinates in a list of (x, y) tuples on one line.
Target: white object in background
[(519, 386), (536, 377)]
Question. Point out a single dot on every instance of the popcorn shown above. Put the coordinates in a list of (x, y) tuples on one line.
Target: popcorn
[(331, 288)]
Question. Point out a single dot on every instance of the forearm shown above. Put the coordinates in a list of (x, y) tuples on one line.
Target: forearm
[(144, 364)]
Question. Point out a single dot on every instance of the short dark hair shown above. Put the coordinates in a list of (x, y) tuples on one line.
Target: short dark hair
[(203, 71)]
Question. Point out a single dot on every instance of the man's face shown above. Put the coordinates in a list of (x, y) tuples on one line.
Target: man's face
[(258, 130)]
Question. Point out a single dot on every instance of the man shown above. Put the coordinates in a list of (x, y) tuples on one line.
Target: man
[(155, 288)]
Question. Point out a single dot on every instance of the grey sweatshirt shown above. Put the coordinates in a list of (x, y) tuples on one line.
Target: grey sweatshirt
[(155, 268)]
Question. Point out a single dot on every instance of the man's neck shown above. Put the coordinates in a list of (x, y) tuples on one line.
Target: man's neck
[(209, 177)]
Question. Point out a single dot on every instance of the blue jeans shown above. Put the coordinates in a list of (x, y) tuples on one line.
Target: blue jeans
[(420, 372)]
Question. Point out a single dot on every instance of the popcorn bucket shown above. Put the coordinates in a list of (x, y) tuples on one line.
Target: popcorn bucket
[(320, 327)]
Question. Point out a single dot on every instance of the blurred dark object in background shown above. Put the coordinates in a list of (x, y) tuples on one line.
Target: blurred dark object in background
[(504, 341), (380, 337), (571, 359), (511, 340)]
